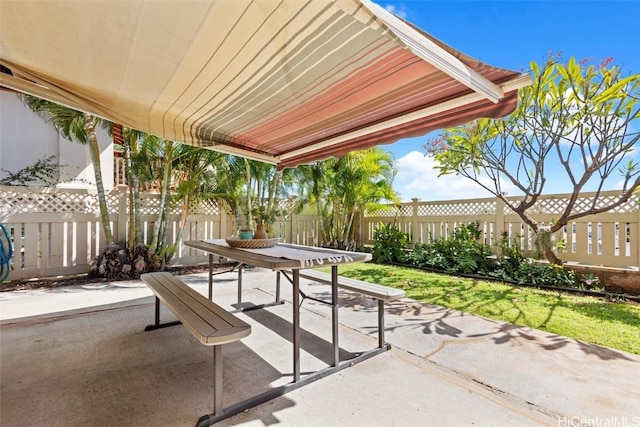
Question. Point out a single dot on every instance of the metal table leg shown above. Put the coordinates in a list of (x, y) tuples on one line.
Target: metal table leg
[(334, 314), (217, 380), (296, 325), (381, 343), (210, 277), (221, 414)]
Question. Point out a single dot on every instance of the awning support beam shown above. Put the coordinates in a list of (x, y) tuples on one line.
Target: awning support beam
[(435, 55)]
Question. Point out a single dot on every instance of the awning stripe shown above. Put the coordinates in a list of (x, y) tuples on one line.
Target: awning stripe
[(286, 80), (419, 127)]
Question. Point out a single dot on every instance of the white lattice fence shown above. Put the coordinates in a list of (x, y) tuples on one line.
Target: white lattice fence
[(51, 230), (58, 232), (610, 238)]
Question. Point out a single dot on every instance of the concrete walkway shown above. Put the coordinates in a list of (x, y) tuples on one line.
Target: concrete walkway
[(78, 356)]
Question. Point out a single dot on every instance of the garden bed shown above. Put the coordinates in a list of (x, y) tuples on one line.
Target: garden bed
[(591, 292), (83, 279)]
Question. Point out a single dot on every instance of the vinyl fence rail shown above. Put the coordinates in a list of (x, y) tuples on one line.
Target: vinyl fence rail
[(57, 231), (609, 239)]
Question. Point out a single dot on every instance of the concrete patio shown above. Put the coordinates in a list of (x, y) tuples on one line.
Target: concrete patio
[(77, 356)]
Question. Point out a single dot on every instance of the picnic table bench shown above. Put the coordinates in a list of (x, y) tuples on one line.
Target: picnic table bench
[(379, 292), (208, 322), (293, 261)]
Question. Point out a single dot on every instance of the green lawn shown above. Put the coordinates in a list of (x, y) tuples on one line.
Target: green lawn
[(610, 324)]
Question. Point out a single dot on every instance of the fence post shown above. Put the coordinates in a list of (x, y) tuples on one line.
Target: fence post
[(414, 222), (123, 214), (289, 230), (222, 233), (289, 220), (637, 236), (499, 220)]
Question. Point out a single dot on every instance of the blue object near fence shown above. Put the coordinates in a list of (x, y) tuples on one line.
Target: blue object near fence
[(6, 252)]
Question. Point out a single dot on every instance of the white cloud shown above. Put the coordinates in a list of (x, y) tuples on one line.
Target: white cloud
[(418, 178), (398, 11)]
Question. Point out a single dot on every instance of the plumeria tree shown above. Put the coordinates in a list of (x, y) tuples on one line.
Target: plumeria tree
[(579, 118)]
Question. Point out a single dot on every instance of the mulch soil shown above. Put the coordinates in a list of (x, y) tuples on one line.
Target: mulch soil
[(83, 279)]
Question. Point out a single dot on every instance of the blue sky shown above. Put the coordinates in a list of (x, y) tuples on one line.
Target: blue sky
[(511, 34)]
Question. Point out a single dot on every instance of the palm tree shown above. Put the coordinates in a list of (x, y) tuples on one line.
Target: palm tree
[(195, 171), (313, 180), (154, 165), (128, 138), (342, 187), (251, 183), (80, 127)]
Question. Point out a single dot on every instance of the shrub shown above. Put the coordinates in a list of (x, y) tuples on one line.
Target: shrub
[(463, 253), (511, 257), (459, 253), (545, 274), (389, 244)]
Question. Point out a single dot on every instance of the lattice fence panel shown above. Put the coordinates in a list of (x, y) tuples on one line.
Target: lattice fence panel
[(24, 201), (206, 209), (406, 210), (150, 206), (307, 210), (584, 204), (462, 208), (388, 212), (557, 205), (112, 203)]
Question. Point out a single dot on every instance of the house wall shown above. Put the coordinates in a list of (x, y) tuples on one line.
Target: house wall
[(25, 138)]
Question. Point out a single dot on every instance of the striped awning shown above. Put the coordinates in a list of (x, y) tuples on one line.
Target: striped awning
[(284, 82)]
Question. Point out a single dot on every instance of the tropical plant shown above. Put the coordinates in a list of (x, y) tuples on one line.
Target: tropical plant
[(262, 215), (194, 171), (162, 152), (255, 188), (80, 127), (389, 243), (510, 257), (44, 170), (313, 182), (580, 116), (129, 139), (461, 252), (341, 188), (590, 280), (358, 182)]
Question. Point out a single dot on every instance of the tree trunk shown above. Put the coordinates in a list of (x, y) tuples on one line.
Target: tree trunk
[(322, 236), (154, 246), (118, 136), (164, 241), (545, 245), (183, 222), (273, 188), (248, 218), (94, 149), (551, 256)]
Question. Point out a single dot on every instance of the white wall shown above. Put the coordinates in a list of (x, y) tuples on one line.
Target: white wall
[(26, 138)]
